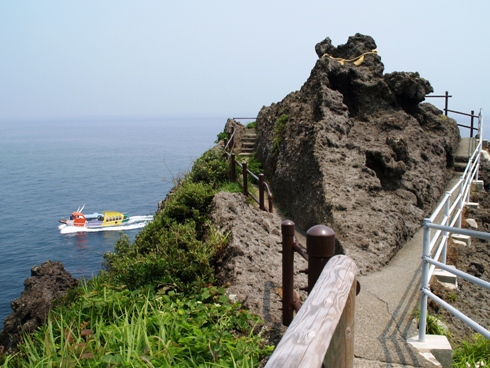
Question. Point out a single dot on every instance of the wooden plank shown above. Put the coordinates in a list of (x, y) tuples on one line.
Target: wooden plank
[(307, 339)]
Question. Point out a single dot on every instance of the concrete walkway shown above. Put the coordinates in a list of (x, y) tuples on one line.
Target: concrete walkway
[(385, 306)]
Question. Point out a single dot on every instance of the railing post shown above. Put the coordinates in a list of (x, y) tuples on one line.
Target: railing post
[(471, 123), (424, 281), (233, 167), (461, 202), (446, 233), (245, 178), (320, 245), (232, 139), (446, 103), (287, 230), (261, 192), (340, 352)]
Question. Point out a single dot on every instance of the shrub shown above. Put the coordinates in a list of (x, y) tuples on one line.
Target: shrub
[(223, 136), (210, 168), (279, 126), (252, 125)]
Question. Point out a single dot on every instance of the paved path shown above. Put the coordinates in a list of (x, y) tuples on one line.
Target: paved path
[(385, 305)]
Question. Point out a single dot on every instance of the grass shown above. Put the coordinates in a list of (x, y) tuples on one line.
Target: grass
[(474, 352), (162, 328), (155, 303)]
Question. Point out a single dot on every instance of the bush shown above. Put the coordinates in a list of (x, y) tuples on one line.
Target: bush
[(223, 136), (210, 168), (279, 126)]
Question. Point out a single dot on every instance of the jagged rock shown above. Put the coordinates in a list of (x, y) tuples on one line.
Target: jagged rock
[(47, 283), (356, 150), (251, 265)]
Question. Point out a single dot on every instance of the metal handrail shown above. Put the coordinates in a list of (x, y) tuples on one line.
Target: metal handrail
[(446, 97), (432, 253)]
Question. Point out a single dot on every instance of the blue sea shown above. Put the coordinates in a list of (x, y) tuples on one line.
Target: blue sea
[(48, 169)]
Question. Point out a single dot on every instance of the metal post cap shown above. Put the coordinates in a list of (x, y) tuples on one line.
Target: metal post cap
[(320, 241), (287, 227), (320, 230)]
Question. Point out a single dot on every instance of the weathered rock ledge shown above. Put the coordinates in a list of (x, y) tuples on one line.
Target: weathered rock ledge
[(48, 282)]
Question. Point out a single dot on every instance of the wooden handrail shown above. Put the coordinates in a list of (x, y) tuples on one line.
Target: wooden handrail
[(323, 329), (263, 186)]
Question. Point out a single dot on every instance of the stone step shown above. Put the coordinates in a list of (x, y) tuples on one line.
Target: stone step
[(446, 278), (460, 166)]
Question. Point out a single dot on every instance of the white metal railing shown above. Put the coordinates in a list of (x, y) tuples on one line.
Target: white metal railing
[(445, 220)]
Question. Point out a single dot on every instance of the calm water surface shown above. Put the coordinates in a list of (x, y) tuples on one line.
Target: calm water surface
[(49, 169)]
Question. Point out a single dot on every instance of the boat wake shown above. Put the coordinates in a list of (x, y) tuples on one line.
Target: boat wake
[(135, 222)]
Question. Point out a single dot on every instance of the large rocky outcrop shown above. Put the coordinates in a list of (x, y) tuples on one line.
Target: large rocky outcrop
[(355, 149), (48, 282)]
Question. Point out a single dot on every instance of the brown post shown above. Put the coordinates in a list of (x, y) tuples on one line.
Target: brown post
[(340, 352), (446, 103), (261, 192), (320, 244), (287, 230), (233, 167), (471, 125), (245, 178), (232, 139)]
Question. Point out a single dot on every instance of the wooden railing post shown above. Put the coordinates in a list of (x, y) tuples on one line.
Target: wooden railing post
[(340, 352), (446, 103), (320, 244), (325, 320), (287, 230), (232, 138), (245, 178), (233, 167), (472, 123), (261, 192)]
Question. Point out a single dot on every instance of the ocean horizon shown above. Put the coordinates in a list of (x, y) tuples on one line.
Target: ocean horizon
[(50, 168)]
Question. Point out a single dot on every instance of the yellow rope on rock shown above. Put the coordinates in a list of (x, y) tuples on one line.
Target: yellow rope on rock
[(356, 61)]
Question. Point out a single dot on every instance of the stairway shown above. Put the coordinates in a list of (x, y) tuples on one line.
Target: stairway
[(465, 150), (248, 142)]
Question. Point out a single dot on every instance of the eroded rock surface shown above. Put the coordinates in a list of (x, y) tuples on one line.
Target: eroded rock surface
[(47, 283), (251, 265), (354, 149)]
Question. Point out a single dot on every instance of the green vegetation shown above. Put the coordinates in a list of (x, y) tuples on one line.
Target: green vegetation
[(279, 126), (222, 136), (474, 352), (252, 125), (254, 165), (433, 325), (154, 304)]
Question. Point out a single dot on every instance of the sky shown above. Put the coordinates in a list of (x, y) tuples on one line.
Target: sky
[(153, 58)]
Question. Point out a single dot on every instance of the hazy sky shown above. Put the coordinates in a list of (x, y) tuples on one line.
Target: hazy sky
[(121, 58)]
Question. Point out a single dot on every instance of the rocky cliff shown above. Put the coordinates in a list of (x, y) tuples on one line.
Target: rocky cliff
[(48, 282), (357, 150)]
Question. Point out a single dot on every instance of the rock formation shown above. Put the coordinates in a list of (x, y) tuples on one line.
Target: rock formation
[(47, 283), (251, 265), (356, 150)]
